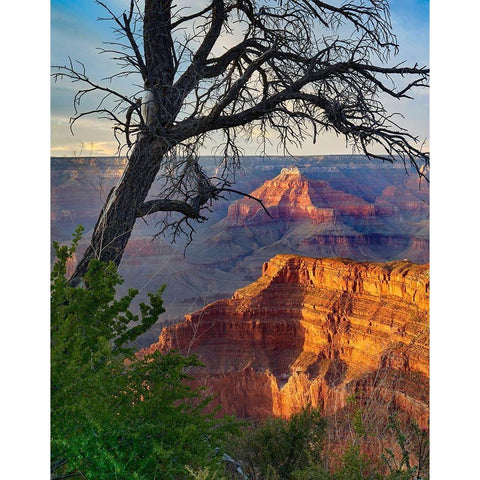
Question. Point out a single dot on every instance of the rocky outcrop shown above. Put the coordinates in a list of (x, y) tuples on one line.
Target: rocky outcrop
[(408, 197), (308, 216), (314, 331), (291, 197)]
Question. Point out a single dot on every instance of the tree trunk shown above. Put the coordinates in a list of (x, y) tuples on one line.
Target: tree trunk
[(118, 216)]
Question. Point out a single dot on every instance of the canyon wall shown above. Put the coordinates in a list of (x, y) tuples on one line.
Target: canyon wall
[(315, 331), (327, 206)]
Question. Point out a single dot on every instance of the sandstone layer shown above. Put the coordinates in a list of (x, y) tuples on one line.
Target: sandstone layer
[(318, 332), (291, 196)]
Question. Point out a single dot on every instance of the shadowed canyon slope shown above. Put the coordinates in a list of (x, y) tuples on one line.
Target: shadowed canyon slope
[(315, 331), (333, 206)]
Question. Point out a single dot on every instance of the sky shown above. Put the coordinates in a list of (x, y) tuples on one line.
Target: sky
[(76, 33)]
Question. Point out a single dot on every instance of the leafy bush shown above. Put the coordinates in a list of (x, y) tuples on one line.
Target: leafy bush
[(296, 449), (414, 446), (112, 415), (279, 448)]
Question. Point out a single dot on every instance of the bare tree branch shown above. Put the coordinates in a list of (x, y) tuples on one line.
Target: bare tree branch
[(297, 68)]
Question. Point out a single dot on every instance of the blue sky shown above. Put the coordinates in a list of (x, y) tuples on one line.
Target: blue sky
[(75, 32)]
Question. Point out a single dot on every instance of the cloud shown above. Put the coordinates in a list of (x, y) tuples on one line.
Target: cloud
[(91, 136)]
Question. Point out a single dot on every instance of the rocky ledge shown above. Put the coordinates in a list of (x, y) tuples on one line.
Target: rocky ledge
[(315, 331)]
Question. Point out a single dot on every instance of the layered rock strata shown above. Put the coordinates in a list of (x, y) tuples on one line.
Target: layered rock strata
[(335, 206), (308, 216), (292, 197), (318, 332)]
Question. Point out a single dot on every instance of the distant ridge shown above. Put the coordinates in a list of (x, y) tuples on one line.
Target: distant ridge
[(309, 216)]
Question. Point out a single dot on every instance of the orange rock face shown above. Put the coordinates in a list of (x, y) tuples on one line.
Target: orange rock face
[(311, 217), (339, 206), (314, 331), (290, 196)]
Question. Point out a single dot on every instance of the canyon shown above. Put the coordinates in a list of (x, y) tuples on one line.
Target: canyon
[(325, 206), (315, 332), (314, 294)]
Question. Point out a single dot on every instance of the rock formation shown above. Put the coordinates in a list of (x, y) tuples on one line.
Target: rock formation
[(330, 206), (315, 331), (308, 216)]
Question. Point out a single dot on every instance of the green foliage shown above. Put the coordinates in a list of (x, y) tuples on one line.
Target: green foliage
[(114, 416), (414, 445), (296, 449), (207, 473), (354, 465), (279, 448)]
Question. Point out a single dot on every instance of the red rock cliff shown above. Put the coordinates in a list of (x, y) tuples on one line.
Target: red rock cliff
[(315, 331), (291, 197)]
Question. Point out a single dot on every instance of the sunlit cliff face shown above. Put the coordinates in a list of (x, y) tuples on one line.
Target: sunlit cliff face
[(292, 197), (339, 206), (315, 331)]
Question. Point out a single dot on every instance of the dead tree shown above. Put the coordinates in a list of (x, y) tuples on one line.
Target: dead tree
[(294, 67)]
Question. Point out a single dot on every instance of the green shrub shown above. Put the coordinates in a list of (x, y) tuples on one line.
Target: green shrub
[(295, 449), (414, 448), (279, 448), (114, 416)]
